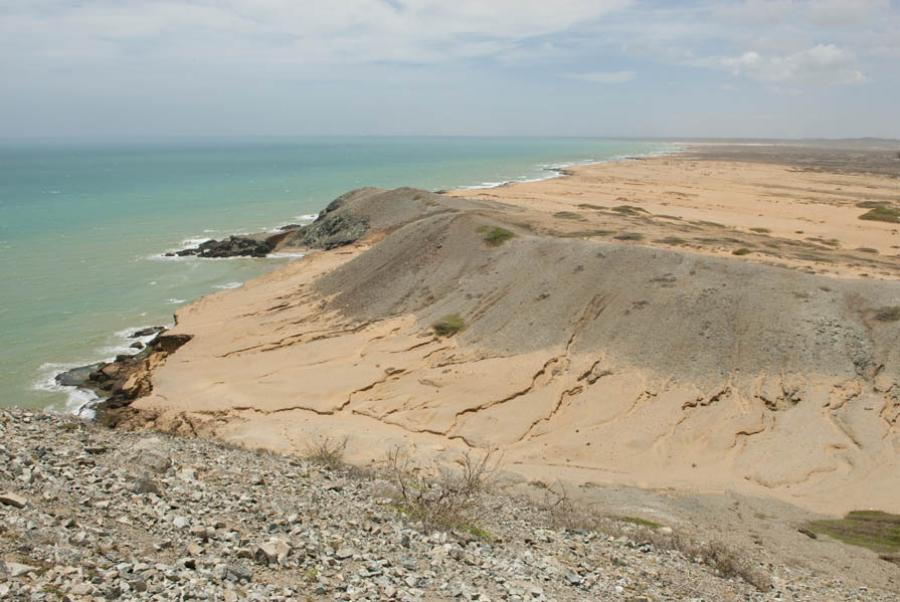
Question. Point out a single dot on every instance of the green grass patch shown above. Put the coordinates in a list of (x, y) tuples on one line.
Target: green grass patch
[(872, 204), (478, 532), (629, 210), (741, 251), (877, 531), (888, 314), (495, 236), (569, 215), (882, 214), (584, 233), (640, 522), (448, 325)]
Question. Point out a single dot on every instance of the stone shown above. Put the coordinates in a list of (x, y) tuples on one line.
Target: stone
[(17, 569), (181, 522), (81, 589), (15, 500), (147, 332), (273, 551)]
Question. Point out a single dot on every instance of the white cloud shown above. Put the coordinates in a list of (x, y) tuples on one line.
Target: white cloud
[(312, 31), (604, 77), (821, 64)]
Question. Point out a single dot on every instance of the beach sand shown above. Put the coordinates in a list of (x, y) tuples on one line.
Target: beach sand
[(675, 323)]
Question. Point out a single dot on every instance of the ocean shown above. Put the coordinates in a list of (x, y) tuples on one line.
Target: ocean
[(84, 225)]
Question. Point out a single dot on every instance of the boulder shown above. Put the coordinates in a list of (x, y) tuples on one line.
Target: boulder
[(233, 246), (77, 377)]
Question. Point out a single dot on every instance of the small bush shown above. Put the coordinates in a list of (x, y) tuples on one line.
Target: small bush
[(741, 251), (328, 453), (882, 214), (868, 250), (448, 325), (496, 236), (629, 236), (888, 314), (448, 502), (760, 230)]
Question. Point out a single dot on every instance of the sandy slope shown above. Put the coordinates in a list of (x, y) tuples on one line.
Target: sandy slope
[(585, 357)]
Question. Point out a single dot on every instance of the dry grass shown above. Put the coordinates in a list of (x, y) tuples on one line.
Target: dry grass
[(328, 453), (888, 314), (450, 501)]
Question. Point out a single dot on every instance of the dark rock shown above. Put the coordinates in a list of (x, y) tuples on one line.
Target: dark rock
[(137, 345), (290, 227), (233, 246), (77, 377), (146, 332)]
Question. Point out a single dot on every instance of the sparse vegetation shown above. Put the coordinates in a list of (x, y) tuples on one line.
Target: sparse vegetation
[(741, 251), (449, 325), (569, 215), (328, 453), (726, 560), (868, 250), (877, 531), (640, 522), (671, 240), (629, 236), (888, 314), (629, 210), (495, 236), (882, 214), (450, 500), (871, 204), (760, 230)]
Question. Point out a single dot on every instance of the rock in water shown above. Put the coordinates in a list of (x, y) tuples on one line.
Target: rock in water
[(233, 246), (146, 332), (77, 377)]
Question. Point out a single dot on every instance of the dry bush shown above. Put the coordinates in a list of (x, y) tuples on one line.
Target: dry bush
[(448, 501), (328, 453)]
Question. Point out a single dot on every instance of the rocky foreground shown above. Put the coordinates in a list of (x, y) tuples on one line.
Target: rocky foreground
[(88, 513)]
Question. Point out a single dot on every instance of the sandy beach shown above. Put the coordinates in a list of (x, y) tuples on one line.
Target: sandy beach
[(674, 322)]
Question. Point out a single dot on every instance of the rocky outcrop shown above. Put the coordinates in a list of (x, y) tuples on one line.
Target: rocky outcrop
[(233, 246), (124, 379)]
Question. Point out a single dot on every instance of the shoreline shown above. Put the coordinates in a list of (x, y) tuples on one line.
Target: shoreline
[(250, 396), (82, 401)]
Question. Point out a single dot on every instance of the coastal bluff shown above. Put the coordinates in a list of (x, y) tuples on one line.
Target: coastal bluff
[(570, 337)]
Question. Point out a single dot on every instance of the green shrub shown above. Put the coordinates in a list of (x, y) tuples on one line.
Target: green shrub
[(882, 214), (741, 251), (629, 236), (495, 236), (448, 325)]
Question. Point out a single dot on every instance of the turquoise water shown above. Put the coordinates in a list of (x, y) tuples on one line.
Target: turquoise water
[(83, 225)]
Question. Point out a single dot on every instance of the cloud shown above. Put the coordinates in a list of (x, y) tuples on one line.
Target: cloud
[(604, 77), (312, 31), (821, 64)]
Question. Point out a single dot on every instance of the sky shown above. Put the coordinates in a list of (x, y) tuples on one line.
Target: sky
[(636, 68)]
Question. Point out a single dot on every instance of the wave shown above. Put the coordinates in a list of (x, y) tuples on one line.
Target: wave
[(79, 402), (229, 286)]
